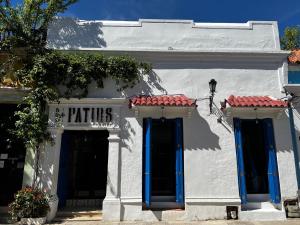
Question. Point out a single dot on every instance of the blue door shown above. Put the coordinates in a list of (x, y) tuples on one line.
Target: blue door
[(147, 175), (179, 162), (240, 160), (274, 187), (62, 173), (256, 158), (163, 160)]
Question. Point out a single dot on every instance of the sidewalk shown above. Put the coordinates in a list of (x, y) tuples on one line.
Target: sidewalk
[(212, 222)]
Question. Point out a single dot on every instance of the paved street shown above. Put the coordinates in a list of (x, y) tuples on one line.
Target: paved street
[(216, 222)]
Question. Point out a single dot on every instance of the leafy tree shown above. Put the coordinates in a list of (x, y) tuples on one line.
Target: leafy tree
[(291, 38), (26, 25), (30, 64), (23, 33)]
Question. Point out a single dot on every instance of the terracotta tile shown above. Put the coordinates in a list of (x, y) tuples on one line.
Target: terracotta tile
[(163, 100), (294, 57), (255, 101)]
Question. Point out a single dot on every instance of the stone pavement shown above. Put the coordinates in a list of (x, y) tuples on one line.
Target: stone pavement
[(212, 222)]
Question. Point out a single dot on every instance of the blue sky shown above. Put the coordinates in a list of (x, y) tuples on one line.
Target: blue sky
[(286, 12)]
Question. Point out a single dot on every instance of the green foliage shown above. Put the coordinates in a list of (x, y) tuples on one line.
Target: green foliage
[(74, 71), (291, 38), (23, 32), (29, 203), (30, 64), (26, 25)]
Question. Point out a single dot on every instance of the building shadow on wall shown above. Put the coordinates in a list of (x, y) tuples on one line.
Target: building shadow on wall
[(198, 134), (149, 85), (69, 33)]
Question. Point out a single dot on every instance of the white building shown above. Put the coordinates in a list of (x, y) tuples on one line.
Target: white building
[(292, 88), (156, 147)]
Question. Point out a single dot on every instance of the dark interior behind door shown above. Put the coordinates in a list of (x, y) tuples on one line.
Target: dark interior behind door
[(12, 156), (255, 157), (87, 170), (163, 158)]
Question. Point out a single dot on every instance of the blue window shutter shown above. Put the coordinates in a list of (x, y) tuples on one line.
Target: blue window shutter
[(240, 160), (274, 187), (147, 189), (63, 171), (179, 162)]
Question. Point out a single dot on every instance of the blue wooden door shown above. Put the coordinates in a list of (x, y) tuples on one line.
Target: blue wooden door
[(147, 175), (179, 162), (62, 185), (274, 187), (240, 160)]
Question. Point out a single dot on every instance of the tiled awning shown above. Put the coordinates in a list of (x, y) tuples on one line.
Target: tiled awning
[(255, 101), (163, 100), (294, 57)]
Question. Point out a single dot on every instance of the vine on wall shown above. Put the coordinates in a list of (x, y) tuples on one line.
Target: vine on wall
[(75, 72), (25, 62)]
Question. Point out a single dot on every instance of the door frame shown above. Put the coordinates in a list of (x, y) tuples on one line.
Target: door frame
[(270, 147), (62, 190), (179, 166)]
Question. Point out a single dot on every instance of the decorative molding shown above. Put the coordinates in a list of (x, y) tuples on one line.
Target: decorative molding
[(87, 101), (131, 200), (245, 26)]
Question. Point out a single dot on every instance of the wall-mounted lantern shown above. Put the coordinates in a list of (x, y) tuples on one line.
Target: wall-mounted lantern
[(212, 89)]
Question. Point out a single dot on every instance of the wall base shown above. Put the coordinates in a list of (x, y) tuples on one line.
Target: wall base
[(53, 208), (111, 210)]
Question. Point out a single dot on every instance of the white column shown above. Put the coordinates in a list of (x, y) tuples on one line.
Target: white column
[(111, 203), (53, 149)]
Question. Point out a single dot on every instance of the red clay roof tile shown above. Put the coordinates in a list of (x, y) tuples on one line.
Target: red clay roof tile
[(294, 57), (163, 100), (255, 101)]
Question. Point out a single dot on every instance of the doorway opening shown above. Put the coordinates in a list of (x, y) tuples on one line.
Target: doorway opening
[(12, 156), (83, 169), (163, 158), (256, 160), (163, 164), (255, 157)]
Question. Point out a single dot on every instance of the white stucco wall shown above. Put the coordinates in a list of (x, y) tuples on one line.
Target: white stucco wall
[(162, 34), (244, 59)]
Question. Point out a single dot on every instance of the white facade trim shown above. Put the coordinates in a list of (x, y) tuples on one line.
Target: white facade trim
[(236, 201), (140, 22)]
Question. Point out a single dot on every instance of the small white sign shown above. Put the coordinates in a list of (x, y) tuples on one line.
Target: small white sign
[(1, 164), (3, 156)]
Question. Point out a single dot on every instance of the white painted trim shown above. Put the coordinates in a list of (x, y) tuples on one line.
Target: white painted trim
[(213, 200), (276, 35), (130, 200), (121, 23), (86, 101), (246, 26), (183, 51)]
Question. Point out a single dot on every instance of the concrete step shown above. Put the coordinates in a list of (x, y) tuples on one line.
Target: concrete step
[(262, 215), (173, 215), (258, 197), (164, 205), (78, 215), (258, 205)]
